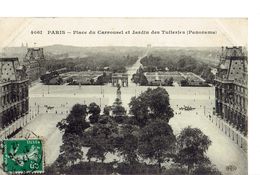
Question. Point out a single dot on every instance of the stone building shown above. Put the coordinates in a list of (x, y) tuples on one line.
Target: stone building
[(34, 62), (231, 88), (13, 91), (119, 78)]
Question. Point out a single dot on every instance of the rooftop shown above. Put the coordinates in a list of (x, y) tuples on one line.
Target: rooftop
[(9, 59)]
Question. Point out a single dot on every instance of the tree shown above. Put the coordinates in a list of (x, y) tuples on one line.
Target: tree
[(151, 68), (94, 110), (192, 145), (184, 82), (170, 81), (107, 110), (104, 119), (139, 77), (159, 104), (61, 162), (100, 138), (100, 80), (118, 68), (151, 105), (118, 109), (96, 151), (75, 123), (70, 150), (127, 143), (157, 142), (139, 109), (135, 78), (93, 118), (143, 80)]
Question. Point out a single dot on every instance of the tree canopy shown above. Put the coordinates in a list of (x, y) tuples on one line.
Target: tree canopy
[(94, 111), (70, 150), (192, 146), (127, 143), (151, 105), (75, 123), (100, 139), (157, 141)]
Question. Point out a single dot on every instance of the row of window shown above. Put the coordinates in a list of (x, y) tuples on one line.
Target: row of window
[(240, 89), (10, 115), (234, 87), (6, 88), (10, 73), (11, 87), (237, 99), (10, 98)]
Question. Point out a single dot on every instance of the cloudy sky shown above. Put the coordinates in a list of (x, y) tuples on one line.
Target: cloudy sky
[(227, 31)]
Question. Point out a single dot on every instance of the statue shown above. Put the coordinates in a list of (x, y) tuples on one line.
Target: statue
[(118, 92), (118, 87), (117, 108)]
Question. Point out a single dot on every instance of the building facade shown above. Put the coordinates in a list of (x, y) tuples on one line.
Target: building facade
[(34, 61), (119, 78), (14, 102), (231, 88)]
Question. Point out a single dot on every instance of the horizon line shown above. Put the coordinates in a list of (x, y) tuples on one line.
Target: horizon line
[(155, 46)]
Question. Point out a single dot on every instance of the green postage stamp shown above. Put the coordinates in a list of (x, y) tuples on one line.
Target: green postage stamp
[(23, 156)]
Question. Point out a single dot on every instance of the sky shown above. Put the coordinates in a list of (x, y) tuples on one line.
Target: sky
[(226, 32)]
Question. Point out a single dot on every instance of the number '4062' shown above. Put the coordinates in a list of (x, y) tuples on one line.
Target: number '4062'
[(36, 32)]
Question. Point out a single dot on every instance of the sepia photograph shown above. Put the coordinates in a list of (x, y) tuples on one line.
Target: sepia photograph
[(121, 96)]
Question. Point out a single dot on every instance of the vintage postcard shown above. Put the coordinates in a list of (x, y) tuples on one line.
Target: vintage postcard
[(124, 96)]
